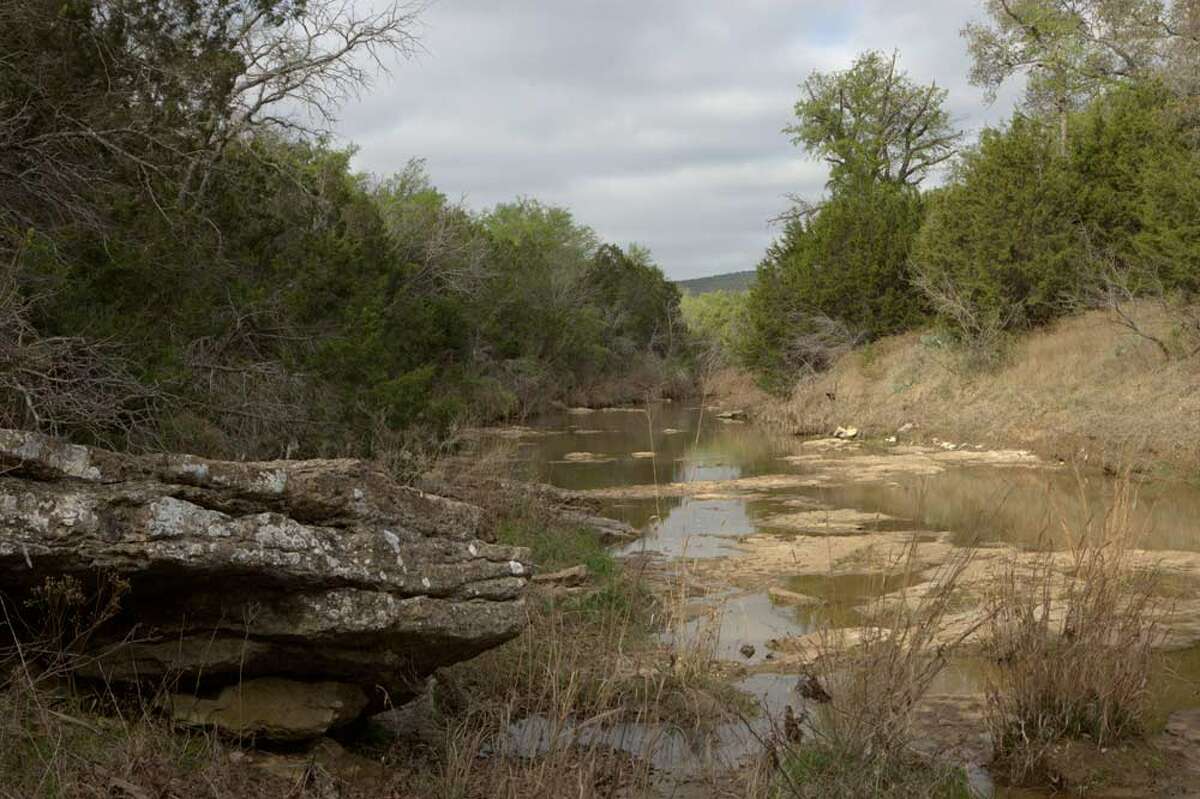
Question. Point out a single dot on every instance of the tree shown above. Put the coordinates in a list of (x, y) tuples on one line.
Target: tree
[(1072, 49), (843, 272), (873, 124), (640, 306), (108, 101), (1020, 230)]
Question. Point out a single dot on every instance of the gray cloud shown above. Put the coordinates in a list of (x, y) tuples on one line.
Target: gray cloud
[(656, 122)]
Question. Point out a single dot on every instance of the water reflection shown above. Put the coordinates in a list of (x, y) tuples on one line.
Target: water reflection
[(696, 528)]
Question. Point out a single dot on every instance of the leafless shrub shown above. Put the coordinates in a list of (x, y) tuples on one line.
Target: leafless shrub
[(253, 404), (981, 331), (148, 117), (865, 684), (819, 342), (65, 384), (1120, 288), (1073, 642)]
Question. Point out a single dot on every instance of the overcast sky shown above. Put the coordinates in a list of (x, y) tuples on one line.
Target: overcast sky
[(654, 121)]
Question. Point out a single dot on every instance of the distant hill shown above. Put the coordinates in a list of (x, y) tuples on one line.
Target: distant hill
[(732, 281)]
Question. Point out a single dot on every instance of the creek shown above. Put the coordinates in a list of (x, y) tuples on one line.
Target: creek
[(758, 517)]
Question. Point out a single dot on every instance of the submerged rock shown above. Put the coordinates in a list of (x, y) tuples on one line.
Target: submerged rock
[(321, 572), (782, 596)]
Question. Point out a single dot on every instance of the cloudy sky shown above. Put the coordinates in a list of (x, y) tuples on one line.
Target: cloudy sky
[(654, 121)]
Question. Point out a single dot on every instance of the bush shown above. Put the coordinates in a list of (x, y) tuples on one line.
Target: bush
[(846, 264), (1013, 238)]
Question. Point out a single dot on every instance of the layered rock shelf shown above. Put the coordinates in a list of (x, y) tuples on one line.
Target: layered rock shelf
[(322, 573)]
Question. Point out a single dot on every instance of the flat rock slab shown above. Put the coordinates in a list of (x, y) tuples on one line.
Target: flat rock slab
[(320, 571), (272, 708)]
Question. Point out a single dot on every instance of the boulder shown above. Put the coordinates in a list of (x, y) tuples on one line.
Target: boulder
[(846, 433), (322, 572)]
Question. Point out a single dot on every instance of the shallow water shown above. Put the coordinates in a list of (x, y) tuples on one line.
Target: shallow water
[(967, 505), (977, 504)]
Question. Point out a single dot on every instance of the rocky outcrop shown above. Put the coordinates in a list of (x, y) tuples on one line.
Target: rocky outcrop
[(322, 573)]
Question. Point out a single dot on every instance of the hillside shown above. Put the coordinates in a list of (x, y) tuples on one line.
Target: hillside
[(730, 281)]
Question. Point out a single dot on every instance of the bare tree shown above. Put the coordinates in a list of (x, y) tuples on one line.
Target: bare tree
[(818, 342), (980, 329), (121, 95), (297, 69)]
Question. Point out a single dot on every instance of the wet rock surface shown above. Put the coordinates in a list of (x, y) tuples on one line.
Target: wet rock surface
[(315, 572)]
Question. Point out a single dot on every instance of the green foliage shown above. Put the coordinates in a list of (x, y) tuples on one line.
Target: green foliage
[(642, 306), (838, 274), (554, 549), (818, 769), (845, 268), (1001, 231), (717, 320), (1020, 230), (1073, 50), (304, 308), (872, 124), (261, 298)]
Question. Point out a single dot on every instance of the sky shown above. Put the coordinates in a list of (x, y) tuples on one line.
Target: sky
[(654, 121)]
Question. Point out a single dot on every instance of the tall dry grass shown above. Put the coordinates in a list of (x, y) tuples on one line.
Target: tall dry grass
[(1073, 636)]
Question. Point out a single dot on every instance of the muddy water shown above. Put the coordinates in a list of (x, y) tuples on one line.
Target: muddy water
[(701, 488)]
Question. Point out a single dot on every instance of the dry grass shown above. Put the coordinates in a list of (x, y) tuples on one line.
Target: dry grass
[(866, 689), (1074, 640), (1084, 389), (60, 740)]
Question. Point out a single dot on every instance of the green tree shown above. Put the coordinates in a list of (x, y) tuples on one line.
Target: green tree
[(1071, 50), (847, 264), (1020, 230), (873, 124)]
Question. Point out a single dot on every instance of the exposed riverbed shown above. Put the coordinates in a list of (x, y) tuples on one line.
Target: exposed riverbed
[(781, 537)]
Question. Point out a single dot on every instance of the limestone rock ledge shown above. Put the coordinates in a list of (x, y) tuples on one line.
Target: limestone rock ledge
[(307, 572)]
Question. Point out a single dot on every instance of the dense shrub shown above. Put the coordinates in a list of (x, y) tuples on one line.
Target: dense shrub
[(848, 264), (229, 285), (1020, 229)]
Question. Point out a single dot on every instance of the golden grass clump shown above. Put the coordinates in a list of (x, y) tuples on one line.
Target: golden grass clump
[(1082, 388), (1073, 637)]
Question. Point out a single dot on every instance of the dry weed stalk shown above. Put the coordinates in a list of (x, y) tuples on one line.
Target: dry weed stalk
[(1074, 635)]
